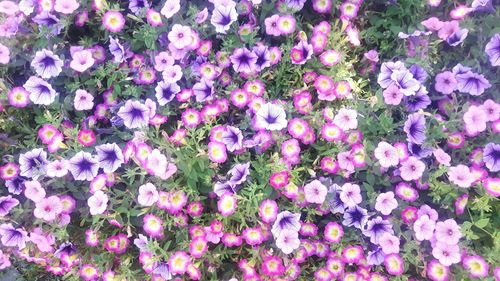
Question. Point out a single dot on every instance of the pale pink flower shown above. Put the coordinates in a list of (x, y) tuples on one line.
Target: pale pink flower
[(48, 208), (424, 228), (83, 100), (389, 243), (34, 191), (148, 195), (66, 6), (82, 60), (475, 119), (98, 203), (461, 176), (442, 157), (386, 154), (351, 194), (386, 202), (346, 119), (446, 254), (315, 192), (411, 169)]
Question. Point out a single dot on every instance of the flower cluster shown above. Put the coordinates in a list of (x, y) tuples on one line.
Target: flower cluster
[(248, 140)]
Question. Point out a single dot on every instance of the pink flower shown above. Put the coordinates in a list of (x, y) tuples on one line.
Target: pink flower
[(446, 254), (346, 119), (392, 95), (43, 241), (433, 24), (386, 154), (315, 192), (170, 8), (227, 204), (389, 243), (113, 21), (448, 232), (351, 194), (386, 203), (48, 208), (424, 228), (4, 54), (475, 119), (34, 191), (179, 262), (180, 36), (82, 60), (288, 241), (97, 203), (148, 195), (66, 6), (412, 169), (442, 157), (461, 176), (83, 100)]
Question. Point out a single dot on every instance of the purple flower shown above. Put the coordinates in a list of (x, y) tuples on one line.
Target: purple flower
[(405, 81), (161, 268), (445, 82), (47, 64), (419, 151), (224, 187), (491, 157), (232, 138), (134, 114), (301, 52), (374, 229), (460, 69), (165, 92), (415, 128), (286, 221), (49, 20), (239, 173), (117, 50), (33, 164), (15, 186), (223, 16), (83, 166), (418, 73), (458, 37), (418, 101), (109, 156), (492, 49), (41, 92), (483, 6), (141, 242), (375, 257), (355, 216), (13, 237), (136, 5), (472, 83), (295, 4), (333, 198), (263, 57), (386, 69), (203, 90), (7, 203), (271, 117), (243, 60)]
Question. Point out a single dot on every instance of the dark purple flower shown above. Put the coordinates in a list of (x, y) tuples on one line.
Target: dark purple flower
[(483, 6), (16, 185), (492, 49), (418, 101), (405, 81), (286, 221), (355, 216), (415, 128), (232, 138), (65, 248), (203, 90), (386, 69), (458, 37), (472, 83), (243, 60), (161, 268), (491, 157), (223, 16), (374, 229), (375, 257), (83, 166), (239, 173), (13, 237), (47, 64), (418, 73), (49, 20), (419, 151), (165, 92), (335, 204), (263, 57), (109, 156), (134, 114), (7, 203), (117, 50), (33, 163), (224, 187), (136, 5)]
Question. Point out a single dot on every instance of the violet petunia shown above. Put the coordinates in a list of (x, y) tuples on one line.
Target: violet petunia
[(7, 203), (492, 49), (239, 173), (415, 128), (472, 83)]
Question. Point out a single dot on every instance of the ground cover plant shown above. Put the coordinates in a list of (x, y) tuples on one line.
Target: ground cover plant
[(249, 140)]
